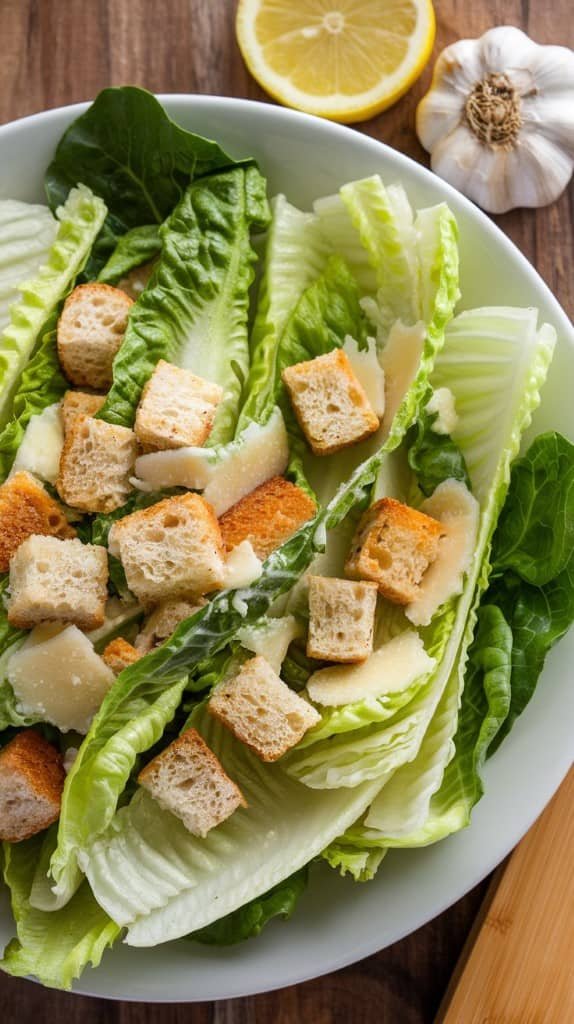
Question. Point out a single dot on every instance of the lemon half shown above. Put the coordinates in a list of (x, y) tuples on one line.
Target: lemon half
[(342, 59)]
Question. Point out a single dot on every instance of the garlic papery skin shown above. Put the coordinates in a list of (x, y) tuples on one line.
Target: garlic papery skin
[(498, 119)]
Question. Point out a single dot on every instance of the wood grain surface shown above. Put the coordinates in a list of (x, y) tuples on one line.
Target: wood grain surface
[(520, 965), (55, 52)]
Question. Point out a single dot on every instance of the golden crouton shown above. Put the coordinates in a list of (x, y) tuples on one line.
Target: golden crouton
[(53, 580), (90, 331), (172, 549), (26, 508), (341, 619), (96, 464), (188, 780), (261, 710), (177, 408), (119, 654), (394, 546), (79, 403), (330, 403), (31, 783), (267, 516)]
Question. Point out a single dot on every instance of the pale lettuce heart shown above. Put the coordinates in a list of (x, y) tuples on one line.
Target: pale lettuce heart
[(27, 230), (151, 875), (79, 222)]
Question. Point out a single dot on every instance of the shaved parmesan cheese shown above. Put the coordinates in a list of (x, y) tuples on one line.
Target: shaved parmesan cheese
[(394, 666), (258, 454), (224, 475), (179, 467), (368, 371), (41, 447), (57, 675), (242, 566), (400, 360), (271, 640), (458, 511), (442, 402)]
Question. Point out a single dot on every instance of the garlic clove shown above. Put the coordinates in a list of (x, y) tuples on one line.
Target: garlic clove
[(538, 171), (437, 116), (507, 48), (461, 160), (552, 118)]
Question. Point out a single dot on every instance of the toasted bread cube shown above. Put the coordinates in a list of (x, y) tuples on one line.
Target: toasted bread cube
[(119, 654), (79, 403), (31, 782), (90, 331), (330, 403), (261, 710), (172, 549), (54, 580), (26, 508), (394, 546), (163, 621), (188, 780), (267, 516), (341, 619), (176, 409), (96, 464)]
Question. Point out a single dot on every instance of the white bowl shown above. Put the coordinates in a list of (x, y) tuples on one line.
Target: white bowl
[(338, 922)]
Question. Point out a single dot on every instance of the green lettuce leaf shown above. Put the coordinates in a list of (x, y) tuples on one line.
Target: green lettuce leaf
[(127, 149), (249, 920), (535, 535), (165, 878), (138, 246), (494, 408), (295, 255), (194, 309), (10, 638), (27, 231), (361, 863), (56, 947), (434, 457), (80, 219)]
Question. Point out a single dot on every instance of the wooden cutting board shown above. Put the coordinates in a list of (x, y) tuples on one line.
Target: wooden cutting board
[(518, 964)]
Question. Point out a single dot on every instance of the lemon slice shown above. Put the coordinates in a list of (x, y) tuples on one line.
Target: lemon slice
[(342, 59)]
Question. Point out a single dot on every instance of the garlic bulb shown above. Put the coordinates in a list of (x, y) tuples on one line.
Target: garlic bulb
[(498, 119)]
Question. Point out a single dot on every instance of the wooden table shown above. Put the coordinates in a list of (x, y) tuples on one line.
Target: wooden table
[(61, 51)]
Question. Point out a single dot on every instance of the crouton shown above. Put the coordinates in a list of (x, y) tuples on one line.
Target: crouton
[(176, 409), (90, 332), (188, 780), (31, 782), (261, 710), (79, 403), (394, 546), (54, 580), (267, 516), (163, 621), (119, 654), (329, 402), (136, 280), (342, 619), (96, 464), (26, 508), (171, 550)]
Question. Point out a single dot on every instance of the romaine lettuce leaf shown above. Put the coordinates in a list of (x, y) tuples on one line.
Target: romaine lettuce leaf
[(165, 879), (26, 233), (494, 362), (138, 246), (360, 862), (295, 255), (54, 947), (194, 309), (434, 457), (80, 219), (249, 920), (127, 149), (10, 638)]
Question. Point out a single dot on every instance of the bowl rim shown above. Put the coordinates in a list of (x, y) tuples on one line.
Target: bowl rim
[(558, 771)]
